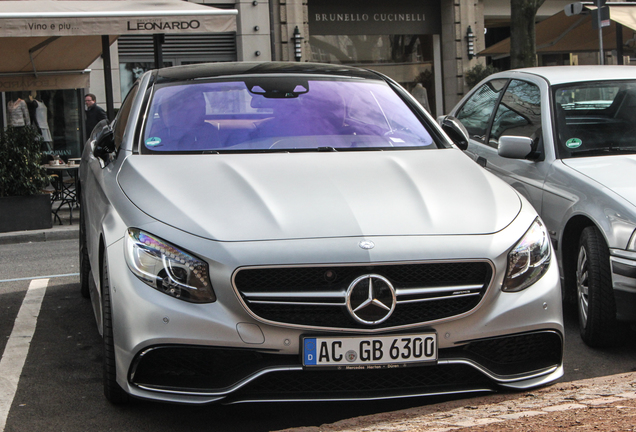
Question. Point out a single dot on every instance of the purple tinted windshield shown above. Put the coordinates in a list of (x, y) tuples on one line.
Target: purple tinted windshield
[(281, 113)]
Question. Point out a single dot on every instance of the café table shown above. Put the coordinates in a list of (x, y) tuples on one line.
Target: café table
[(65, 191)]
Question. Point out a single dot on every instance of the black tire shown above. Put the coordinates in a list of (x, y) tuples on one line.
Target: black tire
[(113, 391), (595, 296), (84, 263)]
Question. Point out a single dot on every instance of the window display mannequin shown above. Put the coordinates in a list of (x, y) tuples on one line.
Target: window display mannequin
[(41, 118), (17, 111)]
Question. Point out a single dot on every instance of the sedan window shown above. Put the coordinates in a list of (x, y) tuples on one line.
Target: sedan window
[(519, 112), (280, 113), (476, 113), (595, 118)]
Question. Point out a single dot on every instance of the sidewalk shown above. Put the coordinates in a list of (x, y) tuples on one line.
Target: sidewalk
[(599, 404), (57, 232)]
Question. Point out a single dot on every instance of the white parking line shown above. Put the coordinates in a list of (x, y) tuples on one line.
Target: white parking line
[(17, 348), (40, 277)]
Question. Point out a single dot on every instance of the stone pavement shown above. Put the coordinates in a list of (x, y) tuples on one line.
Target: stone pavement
[(499, 412)]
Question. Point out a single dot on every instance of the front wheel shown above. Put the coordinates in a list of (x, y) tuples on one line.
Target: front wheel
[(595, 296), (112, 390)]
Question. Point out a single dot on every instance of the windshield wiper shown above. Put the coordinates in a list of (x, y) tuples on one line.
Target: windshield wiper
[(605, 150), (326, 149)]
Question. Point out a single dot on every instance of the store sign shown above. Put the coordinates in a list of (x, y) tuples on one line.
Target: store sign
[(116, 25), (360, 17), (44, 82)]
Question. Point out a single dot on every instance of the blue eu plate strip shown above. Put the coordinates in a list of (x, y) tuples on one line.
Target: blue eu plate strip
[(310, 351)]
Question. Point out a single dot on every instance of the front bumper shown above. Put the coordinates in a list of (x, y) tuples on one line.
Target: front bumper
[(167, 349), (624, 282), (516, 361)]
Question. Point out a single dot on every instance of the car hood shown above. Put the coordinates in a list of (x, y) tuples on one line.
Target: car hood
[(610, 171), (271, 196)]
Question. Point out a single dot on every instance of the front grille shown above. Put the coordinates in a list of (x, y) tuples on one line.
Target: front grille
[(212, 369), (316, 296), (342, 384), (509, 355), (201, 368)]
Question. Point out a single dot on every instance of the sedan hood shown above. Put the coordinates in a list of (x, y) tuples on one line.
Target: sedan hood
[(612, 172), (272, 196)]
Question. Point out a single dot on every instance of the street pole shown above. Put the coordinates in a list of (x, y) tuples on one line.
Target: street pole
[(599, 4)]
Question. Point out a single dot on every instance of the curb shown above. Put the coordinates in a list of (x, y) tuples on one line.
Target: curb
[(63, 232), (498, 408)]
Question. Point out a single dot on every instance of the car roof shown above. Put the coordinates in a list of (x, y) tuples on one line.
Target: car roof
[(212, 70), (568, 74)]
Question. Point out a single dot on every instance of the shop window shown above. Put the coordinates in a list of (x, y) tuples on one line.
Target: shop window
[(408, 59), (58, 117)]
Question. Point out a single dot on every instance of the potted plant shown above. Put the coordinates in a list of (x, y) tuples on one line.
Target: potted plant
[(23, 206)]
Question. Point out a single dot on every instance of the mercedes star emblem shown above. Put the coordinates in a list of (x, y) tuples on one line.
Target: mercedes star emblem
[(371, 299), (366, 244)]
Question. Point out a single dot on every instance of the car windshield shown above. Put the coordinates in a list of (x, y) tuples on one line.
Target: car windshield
[(280, 113), (595, 118)]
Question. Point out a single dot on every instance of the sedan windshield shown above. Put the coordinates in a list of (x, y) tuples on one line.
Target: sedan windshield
[(280, 113), (595, 118)]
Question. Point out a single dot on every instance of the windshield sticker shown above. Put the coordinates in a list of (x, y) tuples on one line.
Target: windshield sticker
[(573, 143), (153, 141)]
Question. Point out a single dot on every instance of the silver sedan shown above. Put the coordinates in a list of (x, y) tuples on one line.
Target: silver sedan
[(565, 138), (277, 232)]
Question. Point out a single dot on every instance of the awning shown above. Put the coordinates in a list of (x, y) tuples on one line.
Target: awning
[(49, 44), (571, 34)]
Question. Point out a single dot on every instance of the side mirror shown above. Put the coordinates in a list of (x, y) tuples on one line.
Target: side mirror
[(515, 147), (455, 131), (104, 144)]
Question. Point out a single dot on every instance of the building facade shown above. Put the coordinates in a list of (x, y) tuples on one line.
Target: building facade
[(427, 42)]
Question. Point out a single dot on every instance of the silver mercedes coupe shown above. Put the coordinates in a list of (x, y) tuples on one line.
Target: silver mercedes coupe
[(304, 232)]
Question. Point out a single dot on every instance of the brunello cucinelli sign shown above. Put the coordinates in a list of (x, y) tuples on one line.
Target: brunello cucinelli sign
[(359, 17)]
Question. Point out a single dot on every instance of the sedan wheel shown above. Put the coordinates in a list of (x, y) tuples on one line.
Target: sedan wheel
[(595, 295)]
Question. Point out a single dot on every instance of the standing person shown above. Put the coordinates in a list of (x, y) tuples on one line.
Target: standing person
[(94, 113)]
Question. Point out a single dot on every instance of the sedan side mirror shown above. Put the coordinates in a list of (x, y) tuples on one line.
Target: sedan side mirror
[(105, 144), (515, 147), (455, 131)]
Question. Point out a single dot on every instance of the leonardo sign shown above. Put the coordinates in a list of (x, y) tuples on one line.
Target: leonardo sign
[(329, 17)]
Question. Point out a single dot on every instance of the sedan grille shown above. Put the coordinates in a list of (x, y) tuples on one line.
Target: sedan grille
[(316, 296)]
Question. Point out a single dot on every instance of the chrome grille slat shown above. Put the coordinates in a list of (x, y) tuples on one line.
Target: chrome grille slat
[(315, 296), (432, 299)]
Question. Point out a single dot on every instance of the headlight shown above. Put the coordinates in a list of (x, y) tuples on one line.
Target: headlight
[(167, 268), (529, 259)]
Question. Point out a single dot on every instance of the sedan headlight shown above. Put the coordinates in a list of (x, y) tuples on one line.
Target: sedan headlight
[(168, 269), (529, 259)]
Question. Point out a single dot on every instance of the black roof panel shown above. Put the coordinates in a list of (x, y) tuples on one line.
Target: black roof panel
[(211, 70)]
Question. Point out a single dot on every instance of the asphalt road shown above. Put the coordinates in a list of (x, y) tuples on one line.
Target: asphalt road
[(59, 388)]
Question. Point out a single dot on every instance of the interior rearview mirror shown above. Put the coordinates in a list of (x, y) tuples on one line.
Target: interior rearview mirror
[(455, 131), (515, 147)]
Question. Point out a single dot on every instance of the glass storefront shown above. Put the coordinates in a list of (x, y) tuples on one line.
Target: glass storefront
[(408, 59), (400, 39), (56, 114)]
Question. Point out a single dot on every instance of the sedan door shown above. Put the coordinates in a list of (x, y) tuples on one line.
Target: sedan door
[(522, 109)]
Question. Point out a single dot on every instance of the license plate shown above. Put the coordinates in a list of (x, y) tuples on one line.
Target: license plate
[(376, 352)]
